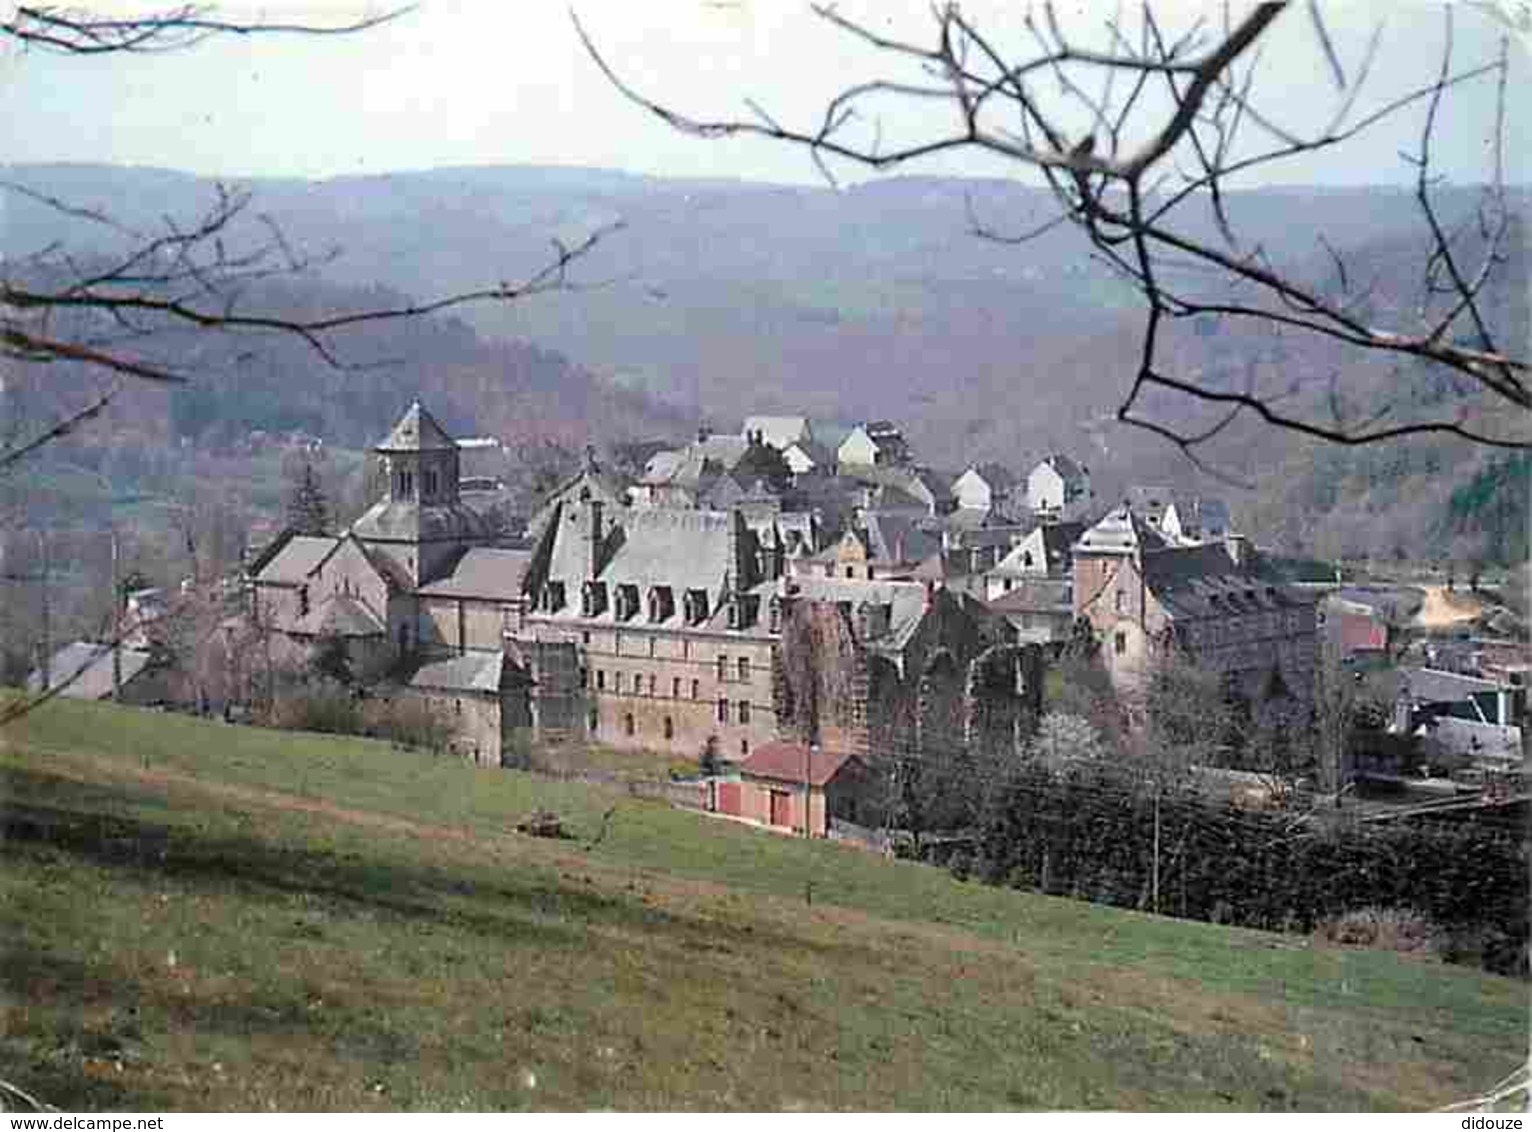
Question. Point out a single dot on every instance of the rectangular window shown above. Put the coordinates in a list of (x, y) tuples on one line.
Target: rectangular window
[(744, 711), (675, 687), (651, 683), (617, 682), (744, 669), (1121, 643), (696, 690), (723, 711), (600, 679), (723, 669), (1122, 602)]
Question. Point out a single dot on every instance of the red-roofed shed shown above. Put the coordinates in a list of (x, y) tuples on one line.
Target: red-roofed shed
[(783, 784)]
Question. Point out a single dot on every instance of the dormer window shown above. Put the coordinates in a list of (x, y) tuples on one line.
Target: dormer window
[(627, 602), (662, 603), (593, 599), (696, 607)]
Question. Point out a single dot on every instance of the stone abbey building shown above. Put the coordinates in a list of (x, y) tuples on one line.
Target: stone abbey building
[(665, 628)]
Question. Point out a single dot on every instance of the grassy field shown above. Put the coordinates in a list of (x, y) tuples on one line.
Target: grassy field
[(200, 916)]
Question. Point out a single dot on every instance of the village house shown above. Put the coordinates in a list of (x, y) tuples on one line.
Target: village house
[(1146, 601), (1189, 519), (1044, 552), (983, 487), (873, 444), (1058, 488)]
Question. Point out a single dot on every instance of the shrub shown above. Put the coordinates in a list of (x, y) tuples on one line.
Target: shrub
[(1393, 929)]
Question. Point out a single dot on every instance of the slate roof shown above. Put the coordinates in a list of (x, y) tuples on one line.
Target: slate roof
[(296, 559), (471, 672), (417, 431), (409, 521), (484, 572), (647, 547), (906, 602), (83, 670), (895, 538), (1122, 531), (788, 762), (1036, 595), (1202, 581), (340, 615)]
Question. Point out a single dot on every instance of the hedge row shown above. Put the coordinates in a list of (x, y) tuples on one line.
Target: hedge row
[(1085, 833)]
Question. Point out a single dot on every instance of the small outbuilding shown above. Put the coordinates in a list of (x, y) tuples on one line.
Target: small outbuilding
[(792, 786)]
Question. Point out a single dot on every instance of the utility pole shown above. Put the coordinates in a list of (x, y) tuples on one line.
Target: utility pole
[(116, 625), (808, 759)]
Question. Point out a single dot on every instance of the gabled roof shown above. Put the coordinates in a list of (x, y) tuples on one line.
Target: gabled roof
[(295, 560), (793, 762), (998, 477), (417, 431), (1121, 531), (484, 572), (1067, 468)]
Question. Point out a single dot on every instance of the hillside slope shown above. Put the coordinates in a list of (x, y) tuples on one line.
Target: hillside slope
[(205, 917)]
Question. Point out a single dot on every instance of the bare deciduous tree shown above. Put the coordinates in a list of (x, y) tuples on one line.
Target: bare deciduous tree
[(126, 312), (1144, 133)]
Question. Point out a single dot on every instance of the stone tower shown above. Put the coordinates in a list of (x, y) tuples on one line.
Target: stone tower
[(420, 524)]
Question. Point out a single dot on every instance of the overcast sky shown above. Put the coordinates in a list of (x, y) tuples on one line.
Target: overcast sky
[(475, 83)]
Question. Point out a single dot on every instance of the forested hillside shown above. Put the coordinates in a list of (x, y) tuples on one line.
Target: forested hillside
[(722, 298)]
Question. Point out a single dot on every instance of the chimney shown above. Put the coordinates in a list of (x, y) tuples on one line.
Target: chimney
[(1238, 547), (739, 568), (597, 536)]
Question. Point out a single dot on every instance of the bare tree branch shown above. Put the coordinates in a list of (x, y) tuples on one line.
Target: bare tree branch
[(1127, 183)]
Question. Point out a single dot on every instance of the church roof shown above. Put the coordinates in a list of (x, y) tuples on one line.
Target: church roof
[(296, 559), (407, 521), (417, 431), (484, 572), (340, 615)]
